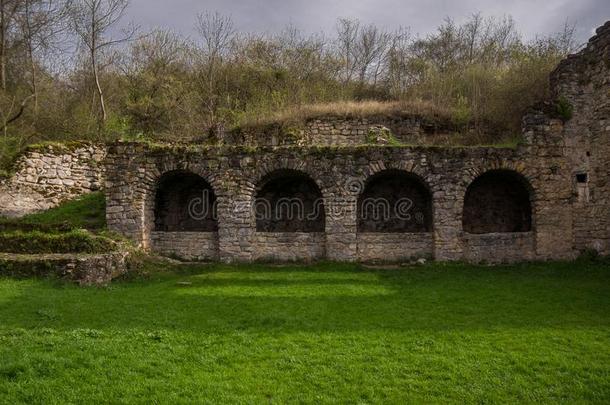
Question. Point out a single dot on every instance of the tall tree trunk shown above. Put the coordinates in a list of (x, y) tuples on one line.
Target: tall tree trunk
[(34, 79), (96, 76), (2, 44), (30, 48), (100, 93)]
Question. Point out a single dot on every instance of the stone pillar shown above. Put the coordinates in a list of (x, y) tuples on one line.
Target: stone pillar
[(236, 225), (554, 236), (126, 190), (448, 204), (553, 222), (341, 228)]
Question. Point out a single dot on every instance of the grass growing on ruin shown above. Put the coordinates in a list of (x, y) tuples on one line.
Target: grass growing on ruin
[(77, 226), (350, 109), (36, 242), (86, 212), (323, 333)]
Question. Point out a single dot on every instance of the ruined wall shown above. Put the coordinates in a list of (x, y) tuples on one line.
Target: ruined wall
[(500, 247), (394, 247), (48, 175), (360, 131), (289, 246), (583, 81), (404, 128), (236, 174), (83, 269), (196, 246)]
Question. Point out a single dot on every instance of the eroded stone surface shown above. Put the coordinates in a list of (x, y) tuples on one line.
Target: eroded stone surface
[(584, 81), (235, 175), (84, 269), (50, 175)]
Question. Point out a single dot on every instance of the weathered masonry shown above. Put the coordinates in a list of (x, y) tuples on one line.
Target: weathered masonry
[(547, 199)]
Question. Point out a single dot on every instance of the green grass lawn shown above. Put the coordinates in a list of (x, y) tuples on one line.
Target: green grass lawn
[(324, 333)]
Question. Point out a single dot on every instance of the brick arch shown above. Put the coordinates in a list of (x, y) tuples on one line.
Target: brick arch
[(252, 181), (404, 194), (498, 200), (471, 174), (152, 182), (184, 202), (213, 178), (411, 167), (289, 200)]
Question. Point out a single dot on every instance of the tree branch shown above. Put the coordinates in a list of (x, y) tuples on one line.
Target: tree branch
[(20, 112)]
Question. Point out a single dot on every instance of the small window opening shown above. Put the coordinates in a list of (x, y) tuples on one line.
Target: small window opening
[(582, 178)]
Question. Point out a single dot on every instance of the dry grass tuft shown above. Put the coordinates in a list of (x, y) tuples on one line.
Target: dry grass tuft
[(349, 109), (449, 128)]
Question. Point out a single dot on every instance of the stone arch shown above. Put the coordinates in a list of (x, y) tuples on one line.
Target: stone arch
[(498, 201), (268, 170), (395, 201), (289, 200), (408, 166), (184, 202)]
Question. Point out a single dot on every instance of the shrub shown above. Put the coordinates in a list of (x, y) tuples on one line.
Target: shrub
[(589, 255), (462, 115), (564, 109)]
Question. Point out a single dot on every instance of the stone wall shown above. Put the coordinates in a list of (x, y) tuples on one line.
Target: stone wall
[(288, 246), (583, 80), (330, 130), (84, 269), (360, 131), (499, 247), (195, 246), (394, 247), (236, 174), (49, 175)]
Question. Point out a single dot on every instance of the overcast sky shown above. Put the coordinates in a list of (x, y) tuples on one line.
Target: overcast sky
[(532, 16)]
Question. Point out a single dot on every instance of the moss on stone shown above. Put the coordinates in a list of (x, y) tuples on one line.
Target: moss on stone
[(67, 146), (74, 241)]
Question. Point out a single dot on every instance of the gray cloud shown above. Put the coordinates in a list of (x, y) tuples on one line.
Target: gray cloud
[(532, 16)]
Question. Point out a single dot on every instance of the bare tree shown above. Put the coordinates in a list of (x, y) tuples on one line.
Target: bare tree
[(41, 23), (92, 21), (8, 10), (371, 50), (399, 76), (347, 36), (217, 33)]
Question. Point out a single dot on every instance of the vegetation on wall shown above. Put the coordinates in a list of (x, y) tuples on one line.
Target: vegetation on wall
[(36, 242), (62, 78), (76, 226), (86, 212)]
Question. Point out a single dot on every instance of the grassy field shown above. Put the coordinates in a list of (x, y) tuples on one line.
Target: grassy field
[(323, 333)]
